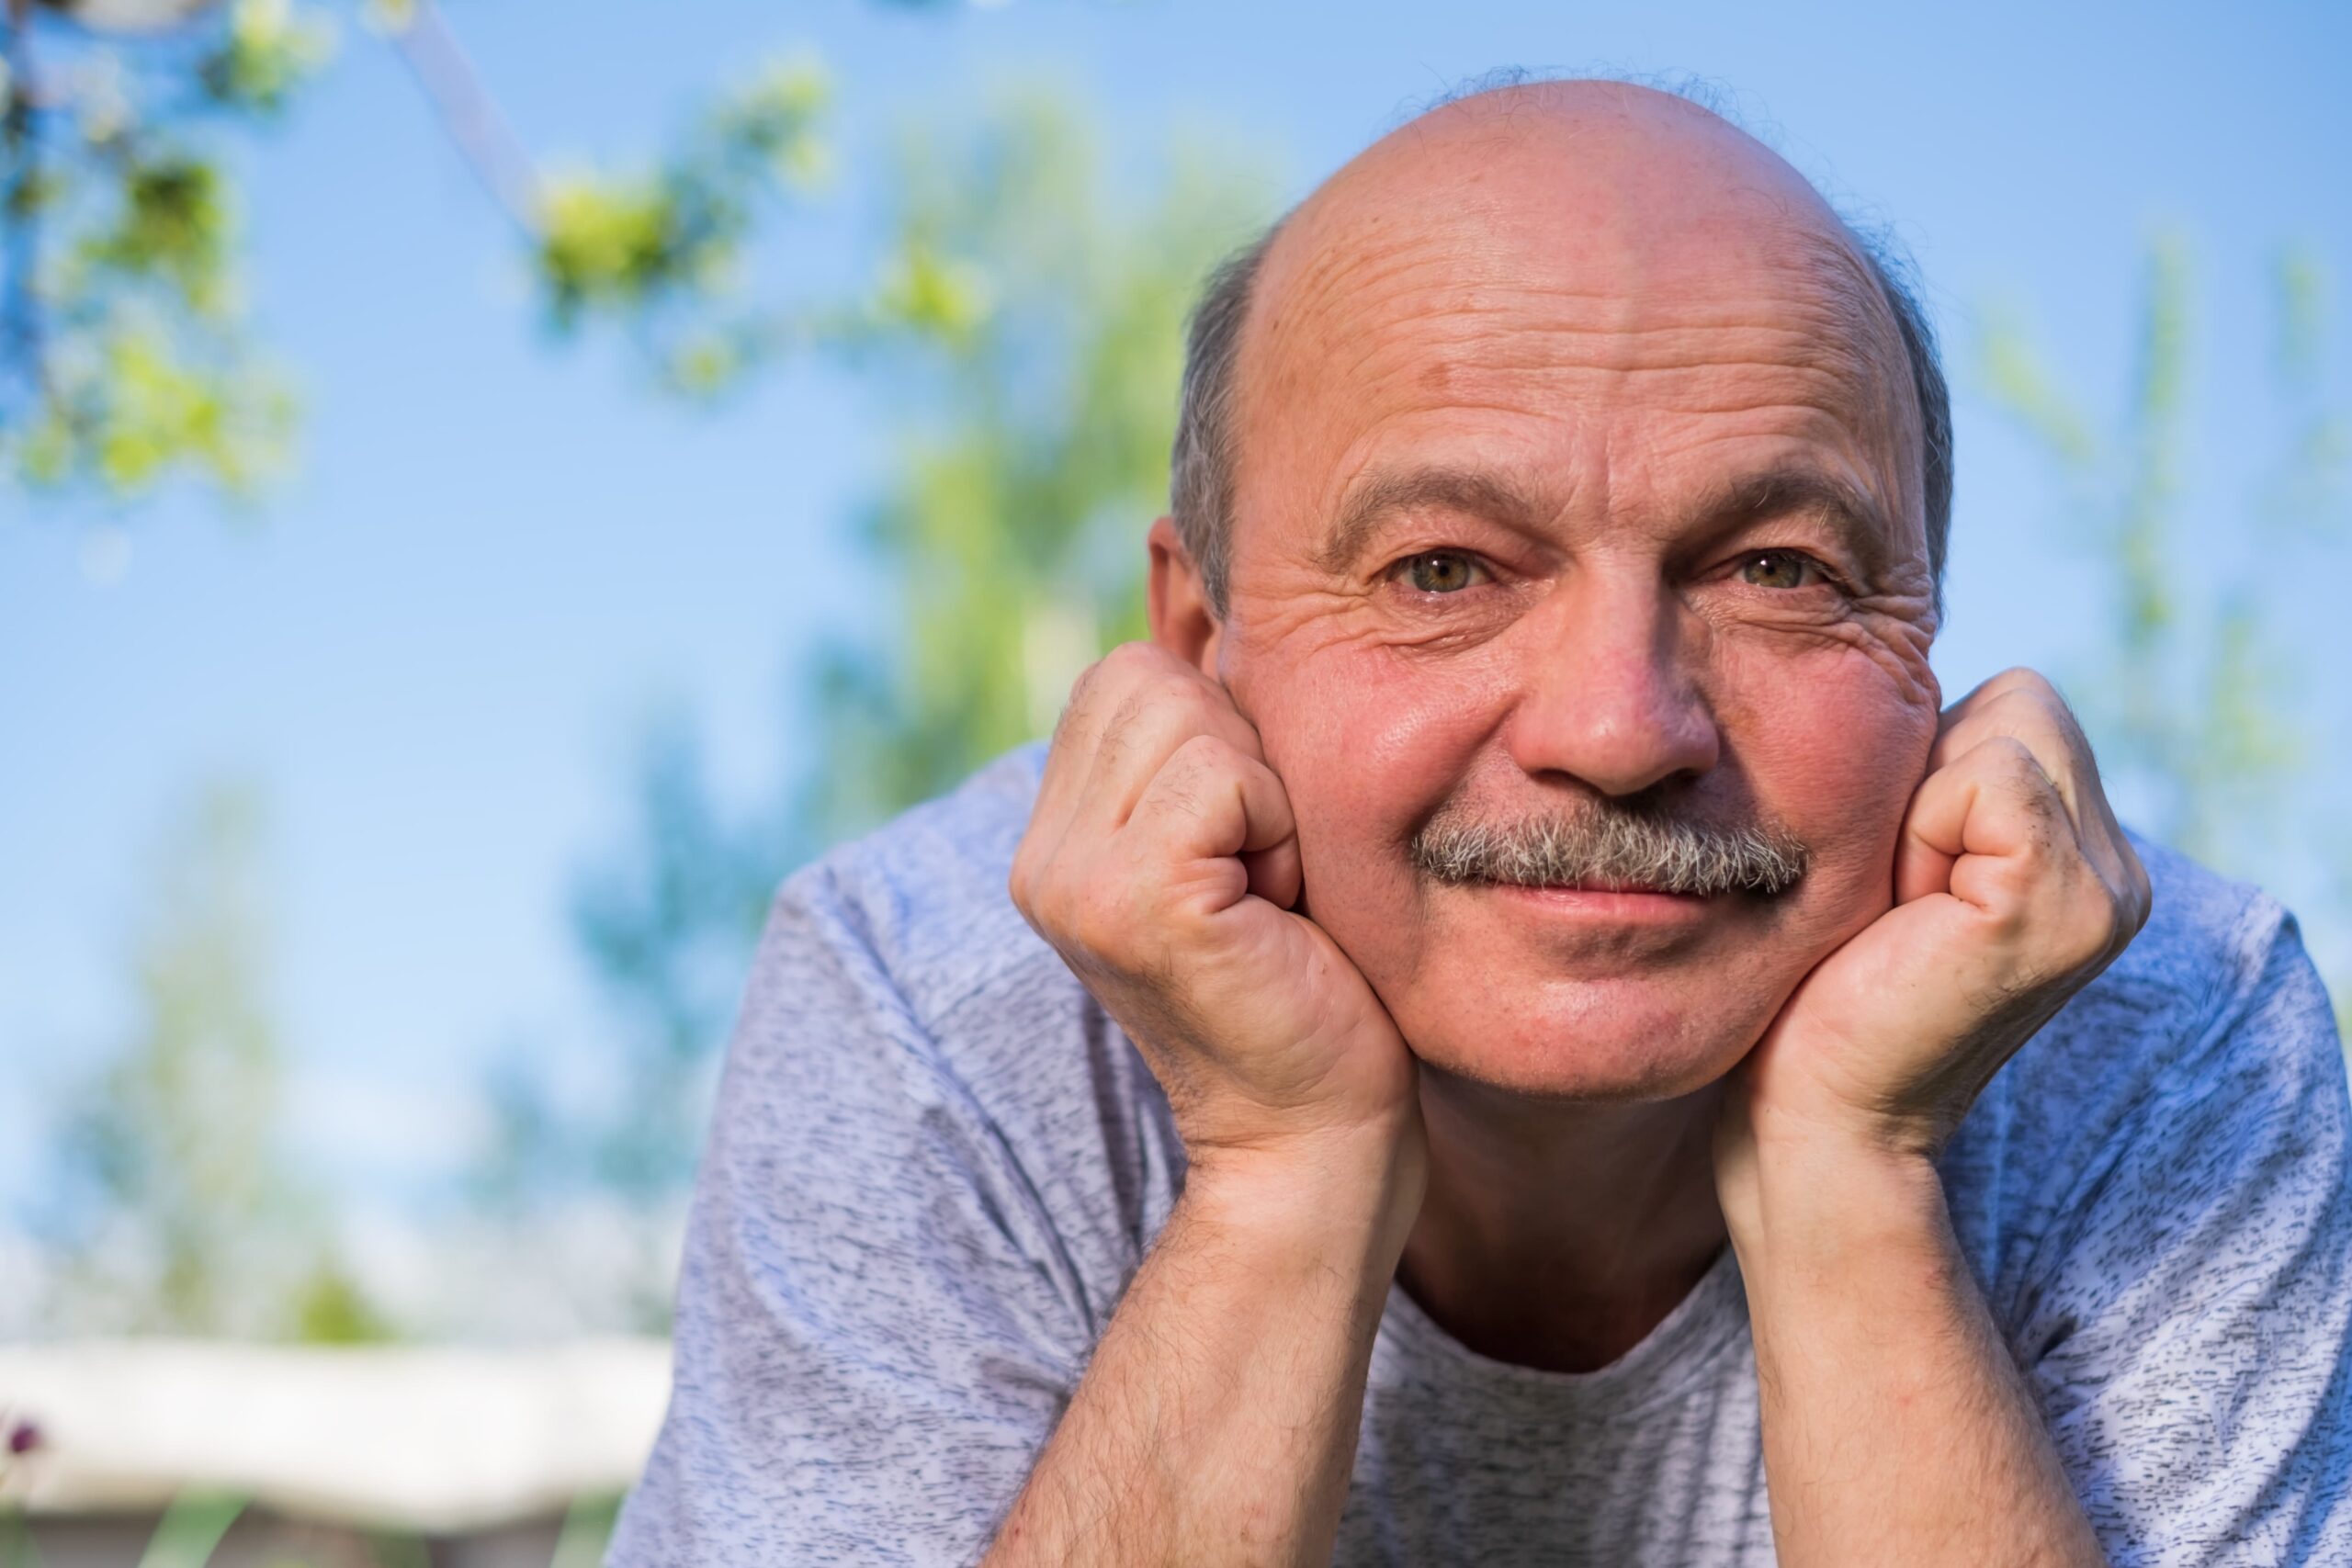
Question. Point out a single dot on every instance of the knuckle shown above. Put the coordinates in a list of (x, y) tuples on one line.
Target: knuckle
[(1185, 691), (2097, 920), (2129, 905), (1120, 656), (1089, 683), (1042, 892), (1051, 909), (1027, 882), (1181, 792), (1204, 754), (2008, 755), (1110, 682), (2007, 766), (2022, 678), (2012, 921), (1132, 661), (2092, 924), (2123, 921)]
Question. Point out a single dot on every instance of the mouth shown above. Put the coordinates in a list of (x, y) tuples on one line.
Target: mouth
[(1601, 902), (1608, 884)]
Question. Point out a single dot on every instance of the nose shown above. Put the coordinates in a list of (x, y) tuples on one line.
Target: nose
[(1608, 685)]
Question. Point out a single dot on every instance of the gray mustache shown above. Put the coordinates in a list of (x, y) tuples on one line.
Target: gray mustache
[(1611, 844)]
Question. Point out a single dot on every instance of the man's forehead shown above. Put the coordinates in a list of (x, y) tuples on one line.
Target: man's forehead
[(1601, 190)]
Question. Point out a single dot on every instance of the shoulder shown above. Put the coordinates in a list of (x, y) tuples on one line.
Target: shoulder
[(974, 1024), (925, 895), (915, 926), (2208, 937), (2216, 950)]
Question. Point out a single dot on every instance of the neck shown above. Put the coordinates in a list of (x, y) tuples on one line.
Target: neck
[(1558, 1234)]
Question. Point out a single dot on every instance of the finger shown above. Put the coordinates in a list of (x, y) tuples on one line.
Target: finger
[(1155, 720), (2031, 710), (1990, 689), (1275, 875), (1069, 756), (1971, 706), (1995, 823), (2019, 702), (1127, 711), (1211, 802), (1983, 828)]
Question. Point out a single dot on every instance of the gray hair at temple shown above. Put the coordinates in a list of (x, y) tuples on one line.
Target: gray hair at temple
[(1202, 462)]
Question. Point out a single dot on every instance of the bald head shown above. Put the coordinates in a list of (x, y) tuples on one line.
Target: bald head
[(1646, 213)]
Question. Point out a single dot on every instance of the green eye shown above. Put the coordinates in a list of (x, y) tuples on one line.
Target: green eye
[(1780, 569), (1440, 572)]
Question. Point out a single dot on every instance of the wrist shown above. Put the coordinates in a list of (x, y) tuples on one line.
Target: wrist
[(1828, 1200), (1316, 1196)]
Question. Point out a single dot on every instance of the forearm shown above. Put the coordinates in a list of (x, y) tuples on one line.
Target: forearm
[(1217, 1420), (1897, 1428)]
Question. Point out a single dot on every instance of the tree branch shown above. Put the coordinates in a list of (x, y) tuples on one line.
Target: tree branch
[(468, 114)]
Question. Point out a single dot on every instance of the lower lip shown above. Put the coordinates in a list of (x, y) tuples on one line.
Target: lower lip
[(1633, 908)]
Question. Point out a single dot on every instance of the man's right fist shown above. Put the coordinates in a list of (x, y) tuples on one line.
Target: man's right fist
[(1161, 862)]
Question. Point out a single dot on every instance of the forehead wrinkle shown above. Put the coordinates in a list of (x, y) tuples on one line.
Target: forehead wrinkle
[(1864, 326), (1473, 329), (1377, 494), (1359, 271)]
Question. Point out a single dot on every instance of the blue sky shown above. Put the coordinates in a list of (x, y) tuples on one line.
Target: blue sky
[(436, 645)]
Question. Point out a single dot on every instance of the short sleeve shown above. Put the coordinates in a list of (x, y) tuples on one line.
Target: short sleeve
[(875, 1334), (2186, 1336)]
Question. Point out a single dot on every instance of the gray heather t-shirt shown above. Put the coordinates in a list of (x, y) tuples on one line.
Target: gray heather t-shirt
[(936, 1164)]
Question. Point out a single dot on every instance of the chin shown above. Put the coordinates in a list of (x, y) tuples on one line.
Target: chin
[(1612, 1042)]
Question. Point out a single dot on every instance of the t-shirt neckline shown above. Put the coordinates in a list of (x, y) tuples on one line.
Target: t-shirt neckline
[(1669, 1359)]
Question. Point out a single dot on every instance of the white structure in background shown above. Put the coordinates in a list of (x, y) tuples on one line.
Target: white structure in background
[(441, 1443)]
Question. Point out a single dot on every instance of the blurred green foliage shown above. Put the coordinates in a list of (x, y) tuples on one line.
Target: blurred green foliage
[(124, 356), (2191, 700), (1034, 421), (662, 252), (180, 1211)]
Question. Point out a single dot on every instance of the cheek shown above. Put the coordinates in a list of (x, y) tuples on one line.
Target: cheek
[(1835, 750), (1367, 745)]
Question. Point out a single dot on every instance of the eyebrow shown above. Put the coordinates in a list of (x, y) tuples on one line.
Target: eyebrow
[(1857, 519), (1372, 500)]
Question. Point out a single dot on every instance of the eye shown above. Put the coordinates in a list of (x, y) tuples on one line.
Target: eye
[(1780, 569), (1440, 571)]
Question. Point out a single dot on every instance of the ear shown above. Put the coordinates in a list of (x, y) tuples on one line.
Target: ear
[(1181, 621)]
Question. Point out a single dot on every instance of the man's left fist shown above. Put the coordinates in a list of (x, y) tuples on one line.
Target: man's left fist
[(2014, 886)]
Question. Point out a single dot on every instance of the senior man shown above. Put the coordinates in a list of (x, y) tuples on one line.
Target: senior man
[(1519, 1066)]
